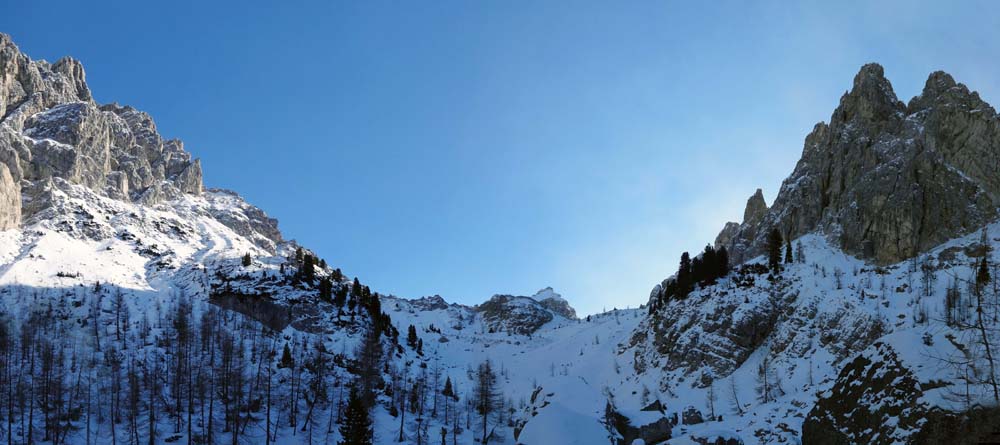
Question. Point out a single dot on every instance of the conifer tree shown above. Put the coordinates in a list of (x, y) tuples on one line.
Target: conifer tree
[(698, 274), (308, 268), (983, 273), (411, 337), (722, 261), (485, 394), (286, 358), (368, 362), (448, 391), (982, 279), (788, 251), (356, 428), (247, 260), (774, 244), (684, 283), (340, 296), (709, 265), (326, 289)]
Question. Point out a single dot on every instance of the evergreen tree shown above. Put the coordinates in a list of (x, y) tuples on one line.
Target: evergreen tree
[(485, 394), (286, 358), (247, 260), (952, 302), (368, 363), (722, 261), (698, 275), (326, 289), (356, 428), (788, 251), (356, 293), (308, 268), (774, 244), (684, 281), (982, 274), (340, 296), (448, 391), (411, 337)]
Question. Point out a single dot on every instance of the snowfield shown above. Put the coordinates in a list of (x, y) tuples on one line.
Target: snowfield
[(557, 381)]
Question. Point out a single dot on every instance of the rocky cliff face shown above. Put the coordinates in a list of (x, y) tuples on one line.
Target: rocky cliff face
[(886, 180), (10, 200), (50, 127)]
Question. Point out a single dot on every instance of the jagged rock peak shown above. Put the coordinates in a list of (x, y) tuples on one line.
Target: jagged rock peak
[(937, 82), (756, 208), (941, 89), (871, 99), (73, 70), (50, 127), (886, 181)]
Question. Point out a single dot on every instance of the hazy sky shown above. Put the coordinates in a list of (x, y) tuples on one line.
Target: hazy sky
[(469, 148)]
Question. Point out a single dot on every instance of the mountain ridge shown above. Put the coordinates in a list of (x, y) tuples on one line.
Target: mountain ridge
[(892, 179), (118, 249)]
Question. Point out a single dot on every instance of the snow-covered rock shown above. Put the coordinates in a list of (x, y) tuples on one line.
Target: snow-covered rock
[(554, 302)]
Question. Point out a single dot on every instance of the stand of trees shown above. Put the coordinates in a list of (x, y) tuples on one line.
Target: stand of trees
[(703, 270), (81, 366)]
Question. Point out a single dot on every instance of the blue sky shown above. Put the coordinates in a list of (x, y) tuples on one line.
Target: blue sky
[(470, 148)]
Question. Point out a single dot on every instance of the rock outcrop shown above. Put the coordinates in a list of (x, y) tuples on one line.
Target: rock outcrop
[(10, 200), (50, 127), (877, 399), (886, 180), (554, 302), (838, 418), (251, 222), (656, 427), (756, 208), (512, 314), (524, 315)]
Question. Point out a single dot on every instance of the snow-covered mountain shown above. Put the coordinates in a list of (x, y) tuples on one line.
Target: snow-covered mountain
[(138, 306)]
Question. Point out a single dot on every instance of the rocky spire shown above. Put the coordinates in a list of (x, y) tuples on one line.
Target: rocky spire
[(72, 69), (18, 77), (871, 99), (756, 208)]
